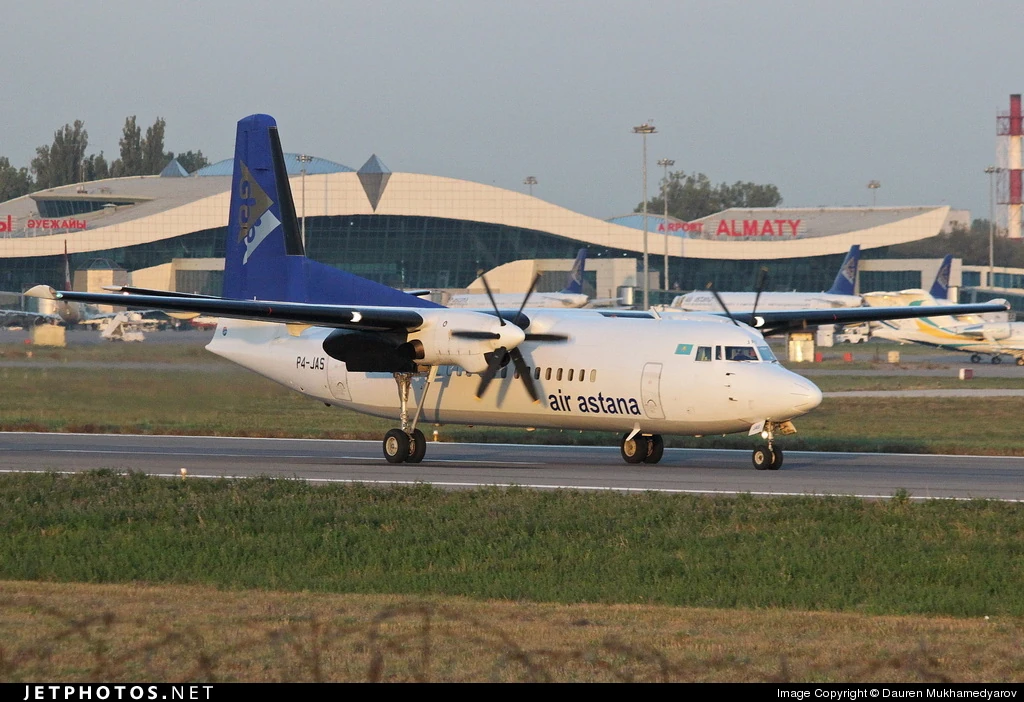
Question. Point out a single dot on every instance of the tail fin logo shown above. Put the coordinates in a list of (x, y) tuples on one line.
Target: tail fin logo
[(849, 269), (943, 277), (255, 220)]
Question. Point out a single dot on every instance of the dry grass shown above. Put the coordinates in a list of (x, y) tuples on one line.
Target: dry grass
[(79, 632)]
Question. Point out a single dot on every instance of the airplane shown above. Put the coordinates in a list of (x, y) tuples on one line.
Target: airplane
[(968, 333), (841, 294), (353, 343), (570, 296)]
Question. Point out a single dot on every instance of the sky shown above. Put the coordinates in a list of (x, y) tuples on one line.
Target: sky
[(817, 97)]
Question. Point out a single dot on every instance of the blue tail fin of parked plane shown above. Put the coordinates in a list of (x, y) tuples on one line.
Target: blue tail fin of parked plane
[(846, 279), (264, 253), (574, 286), (940, 288)]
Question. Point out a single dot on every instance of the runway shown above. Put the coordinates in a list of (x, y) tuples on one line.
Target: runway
[(452, 465)]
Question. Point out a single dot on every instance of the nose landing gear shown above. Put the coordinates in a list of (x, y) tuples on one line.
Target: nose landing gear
[(767, 457)]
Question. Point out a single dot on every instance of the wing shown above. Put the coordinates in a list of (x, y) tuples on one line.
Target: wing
[(777, 321), (338, 316)]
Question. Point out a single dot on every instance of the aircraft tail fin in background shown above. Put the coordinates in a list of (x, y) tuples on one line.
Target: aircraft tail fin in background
[(846, 279), (264, 252), (940, 288), (574, 286)]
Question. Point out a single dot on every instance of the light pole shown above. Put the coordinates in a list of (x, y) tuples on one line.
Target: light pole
[(665, 162), (530, 181), (643, 130), (991, 170), (873, 186), (304, 159)]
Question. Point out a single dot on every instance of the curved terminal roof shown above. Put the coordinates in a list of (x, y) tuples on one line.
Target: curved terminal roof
[(150, 208), (314, 166)]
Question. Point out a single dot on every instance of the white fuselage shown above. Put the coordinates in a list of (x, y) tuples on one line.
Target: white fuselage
[(613, 374), (704, 301)]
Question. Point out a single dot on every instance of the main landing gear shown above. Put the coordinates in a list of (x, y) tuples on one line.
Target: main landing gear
[(642, 448), (767, 457), (407, 445)]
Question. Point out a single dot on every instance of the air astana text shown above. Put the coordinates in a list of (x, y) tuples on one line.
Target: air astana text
[(758, 227), (593, 404)]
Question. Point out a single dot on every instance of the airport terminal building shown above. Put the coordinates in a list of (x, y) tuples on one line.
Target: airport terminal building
[(413, 230)]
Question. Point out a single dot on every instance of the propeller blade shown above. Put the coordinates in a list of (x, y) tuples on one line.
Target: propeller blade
[(469, 334), (492, 370), (720, 302), (762, 276), (524, 373), (527, 298), (547, 337), (490, 296)]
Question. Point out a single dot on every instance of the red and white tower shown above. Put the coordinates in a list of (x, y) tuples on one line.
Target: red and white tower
[(1009, 190)]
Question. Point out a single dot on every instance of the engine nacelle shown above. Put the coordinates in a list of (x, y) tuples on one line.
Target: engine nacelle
[(438, 341)]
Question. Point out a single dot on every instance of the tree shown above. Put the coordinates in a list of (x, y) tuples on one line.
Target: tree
[(130, 163), (14, 182), (153, 156), (192, 161), (95, 167), (61, 162), (971, 245), (693, 196)]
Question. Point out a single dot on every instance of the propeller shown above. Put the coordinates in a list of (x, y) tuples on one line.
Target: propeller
[(722, 303), (502, 355)]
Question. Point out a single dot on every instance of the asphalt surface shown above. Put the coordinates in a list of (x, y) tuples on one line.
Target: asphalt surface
[(452, 465)]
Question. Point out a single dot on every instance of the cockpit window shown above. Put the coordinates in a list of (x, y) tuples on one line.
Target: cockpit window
[(740, 353), (703, 353), (766, 353)]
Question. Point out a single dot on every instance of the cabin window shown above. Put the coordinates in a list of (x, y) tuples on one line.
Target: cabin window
[(593, 375), (703, 353), (547, 374), (583, 375), (536, 373), (570, 375), (740, 353), (558, 375), (515, 375), (504, 372)]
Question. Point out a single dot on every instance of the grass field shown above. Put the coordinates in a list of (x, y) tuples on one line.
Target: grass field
[(266, 580)]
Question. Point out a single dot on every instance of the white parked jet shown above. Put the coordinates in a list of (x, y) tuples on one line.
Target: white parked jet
[(354, 343), (571, 296), (839, 295), (967, 333)]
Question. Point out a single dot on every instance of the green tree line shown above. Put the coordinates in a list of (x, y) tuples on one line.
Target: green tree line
[(64, 161), (692, 196)]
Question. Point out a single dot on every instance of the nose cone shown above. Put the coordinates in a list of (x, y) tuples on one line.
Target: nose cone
[(805, 394)]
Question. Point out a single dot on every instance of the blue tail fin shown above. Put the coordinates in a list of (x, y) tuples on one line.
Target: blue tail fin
[(940, 288), (574, 286), (846, 279), (264, 254)]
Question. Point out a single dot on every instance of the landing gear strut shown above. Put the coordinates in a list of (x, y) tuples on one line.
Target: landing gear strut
[(639, 448), (768, 457), (407, 445)]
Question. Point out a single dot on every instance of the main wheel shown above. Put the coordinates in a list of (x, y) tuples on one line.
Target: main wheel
[(776, 459), (997, 360), (1020, 360), (396, 446), (763, 458), (634, 450), (975, 358), (655, 449), (417, 446)]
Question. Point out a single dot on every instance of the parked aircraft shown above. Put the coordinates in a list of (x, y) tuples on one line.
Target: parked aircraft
[(968, 333), (841, 294), (351, 342), (570, 296)]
